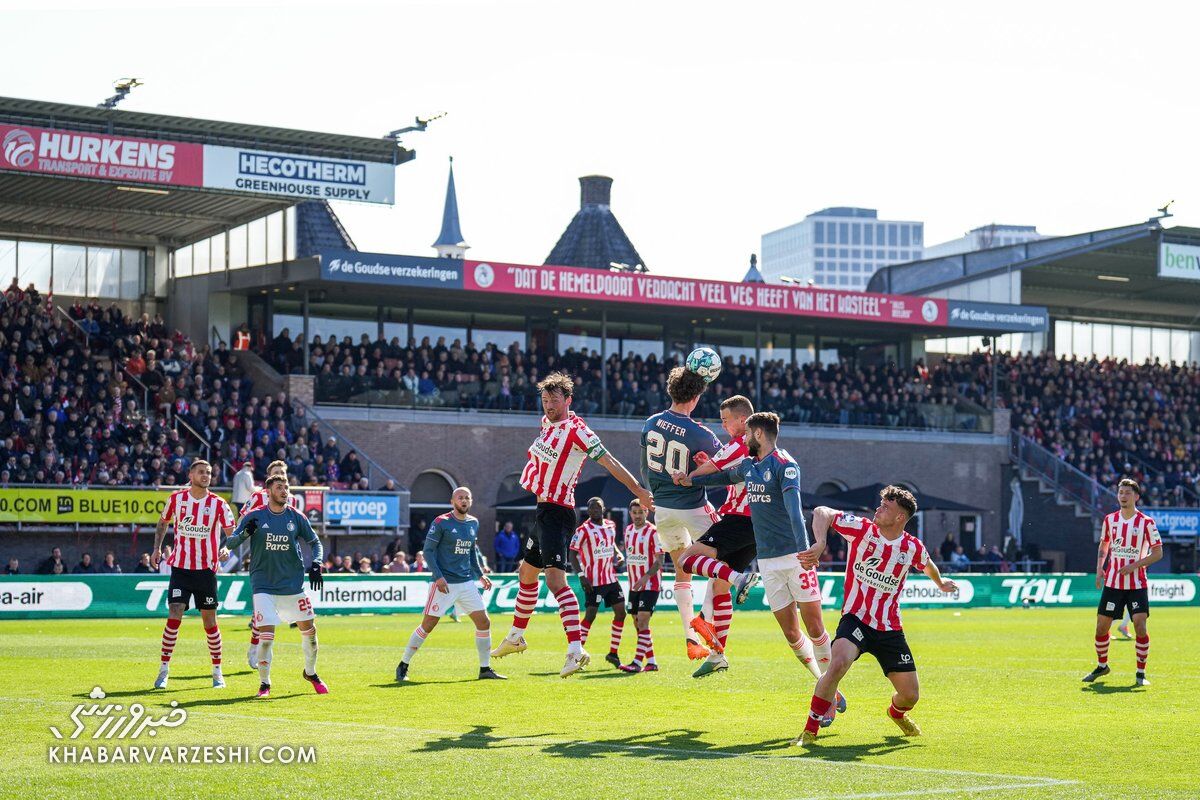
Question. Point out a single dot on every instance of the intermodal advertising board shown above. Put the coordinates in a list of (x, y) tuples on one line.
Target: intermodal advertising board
[(32, 596)]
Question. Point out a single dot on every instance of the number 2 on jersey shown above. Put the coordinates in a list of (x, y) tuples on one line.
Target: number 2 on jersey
[(657, 445)]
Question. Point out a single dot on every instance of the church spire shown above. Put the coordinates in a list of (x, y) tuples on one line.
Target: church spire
[(450, 242)]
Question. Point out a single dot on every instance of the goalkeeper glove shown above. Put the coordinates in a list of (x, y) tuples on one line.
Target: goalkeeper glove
[(315, 581), (251, 526)]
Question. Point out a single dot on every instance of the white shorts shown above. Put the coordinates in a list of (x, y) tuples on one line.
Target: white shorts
[(282, 609), (464, 597), (785, 582), (679, 527)]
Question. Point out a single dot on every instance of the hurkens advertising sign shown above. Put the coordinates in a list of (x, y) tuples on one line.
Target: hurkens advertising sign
[(386, 270), (298, 175), (1179, 261), (998, 316), (352, 510), (1176, 521), (37, 596)]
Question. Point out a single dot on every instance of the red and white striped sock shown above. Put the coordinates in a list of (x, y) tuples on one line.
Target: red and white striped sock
[(722, 615), (253, 633), (214, 644), (527, 594), (585, 627), (643, 647), (898, 712), (817, 710), (1102, 650), (614, 643), (708, 567), (170, 634), (568, 612), (649, 647), (1142, 645)]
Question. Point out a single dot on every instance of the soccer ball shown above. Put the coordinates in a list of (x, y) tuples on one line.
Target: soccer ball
[(705, 362)]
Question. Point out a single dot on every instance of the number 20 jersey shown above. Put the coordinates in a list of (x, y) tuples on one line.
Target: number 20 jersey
[(671, 442)]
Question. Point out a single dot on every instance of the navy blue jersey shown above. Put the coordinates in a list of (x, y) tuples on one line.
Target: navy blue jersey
[(451, 549), (670, 443), (276, 562), (773, 489)]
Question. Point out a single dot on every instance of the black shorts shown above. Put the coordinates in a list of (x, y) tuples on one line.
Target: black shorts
[(644, 600), (610, 593), (186, 584), (733, 539), (890, 648), (554, 527), (1113, 602)]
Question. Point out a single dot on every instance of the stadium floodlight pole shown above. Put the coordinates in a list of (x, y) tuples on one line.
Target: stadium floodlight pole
[(419, 127), (797, 281), (123, 87)]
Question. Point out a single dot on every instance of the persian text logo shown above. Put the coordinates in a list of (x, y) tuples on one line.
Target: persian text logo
[(117, 721), (18, 147)]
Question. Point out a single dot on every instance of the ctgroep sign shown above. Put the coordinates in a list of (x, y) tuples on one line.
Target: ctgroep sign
[(353, 510)]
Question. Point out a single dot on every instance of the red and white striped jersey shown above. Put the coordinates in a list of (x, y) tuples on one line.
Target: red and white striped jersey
[(259, 500), (1128, 540), (597, 548), (198, 525), (642, 547), (556, 458), (876, 569), (736, 501)]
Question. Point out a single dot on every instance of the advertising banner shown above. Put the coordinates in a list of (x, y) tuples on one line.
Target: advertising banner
[(101, 156), (385, 270), (358, 510), (998, 317), (1176, 521), (298, 175), (1179, 261), (93, 506), (803, 301), (36, 596)]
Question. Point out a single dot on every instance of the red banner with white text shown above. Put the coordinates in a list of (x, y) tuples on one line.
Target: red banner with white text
[(78, 154)]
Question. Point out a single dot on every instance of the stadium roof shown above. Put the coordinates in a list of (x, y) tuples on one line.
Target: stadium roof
[(594, 238), (1103, 274), (38, 205)]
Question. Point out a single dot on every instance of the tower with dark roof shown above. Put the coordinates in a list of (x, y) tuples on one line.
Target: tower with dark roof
[(450, 243), (594, 238)]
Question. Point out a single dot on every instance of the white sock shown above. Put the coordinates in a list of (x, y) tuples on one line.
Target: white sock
[(483, 644), (414, 644), (574, 648), (687, 607), (804, 652), (308, 643), (266, 644), (823, 650), (706, 606)]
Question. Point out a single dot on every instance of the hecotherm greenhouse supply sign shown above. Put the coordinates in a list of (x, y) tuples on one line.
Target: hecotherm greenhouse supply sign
[(1179, 261), (298, 175)]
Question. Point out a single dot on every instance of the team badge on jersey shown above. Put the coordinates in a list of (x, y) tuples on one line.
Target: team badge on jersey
[(767, 475)]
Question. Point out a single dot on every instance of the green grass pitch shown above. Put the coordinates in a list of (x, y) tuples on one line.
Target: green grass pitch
[(1003, 711)]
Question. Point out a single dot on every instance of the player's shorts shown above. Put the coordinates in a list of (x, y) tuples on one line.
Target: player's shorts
[(733, 539), (890, 648), (554, 527), (1113, 602), (644, 600), (282, 609), (610, 593), (463, 597), (186, 584), (786, 582), (679, 527)]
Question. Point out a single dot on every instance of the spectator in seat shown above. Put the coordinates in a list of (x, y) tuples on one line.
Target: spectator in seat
[(508, 548), (959, 561), (13, 568), (364, 566), (399, 563), (419, 564), (85, 566), (110, 566), (143, 565), (948, 547), (47, 566)]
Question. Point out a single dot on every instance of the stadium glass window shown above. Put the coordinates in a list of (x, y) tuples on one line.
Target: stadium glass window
[(1141, 344), (70, 269), (275, 246), (183, 262), (8, 260), (503, 339), (1194, 350), (289, 241), (1081, 339), (200, 259), (132, 268), (819, 232), (103, 272), (435, 331), (1160, 343), (905, 235), (256, 242), (1122, 342), (33, 265), (237, 247), (1102, 340), (217, 253)]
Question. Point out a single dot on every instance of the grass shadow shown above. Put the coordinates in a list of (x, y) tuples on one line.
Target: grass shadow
[(827, 748), (1108, 688), (245, 698), (679, 744), (410, 682), (478, 738)]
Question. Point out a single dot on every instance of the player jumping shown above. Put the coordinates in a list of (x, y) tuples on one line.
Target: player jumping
[(644, 556), (674, 442), (881, 555), (555, 459), (277, 578), (594, 546), (772, 480), (1130, 543), (452, 552), (259, 500), (199, 517)]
